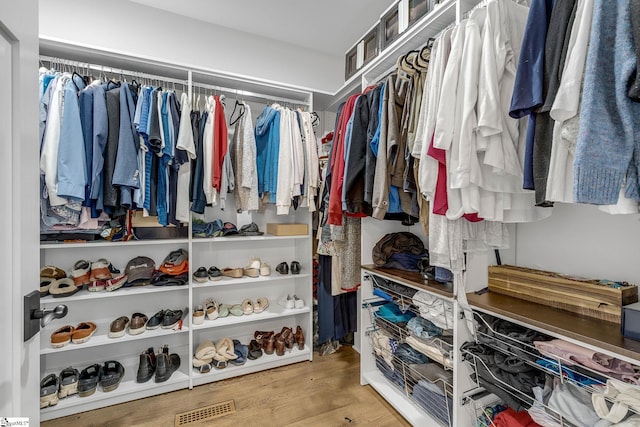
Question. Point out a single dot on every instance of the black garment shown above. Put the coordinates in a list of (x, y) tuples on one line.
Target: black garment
[(155, 139), (199, 198), (337, 316), (110, 193), (180, 157), (373, 97), (356, 158), (555, 51), (195, 128), (85, 102), (634, 80)]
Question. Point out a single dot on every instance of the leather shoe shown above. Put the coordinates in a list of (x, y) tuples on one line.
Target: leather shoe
[(147, 366), (279, 344), (166, 364), (299, 337), (295, 267), (255, 350), (282, 268)]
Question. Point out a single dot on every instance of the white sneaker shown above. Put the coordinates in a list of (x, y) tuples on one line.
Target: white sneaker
[(298, 302), (287, 302)]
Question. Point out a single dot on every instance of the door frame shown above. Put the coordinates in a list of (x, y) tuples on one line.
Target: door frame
[(19, 188)]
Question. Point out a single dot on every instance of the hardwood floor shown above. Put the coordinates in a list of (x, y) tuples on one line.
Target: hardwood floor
[(325, 392)]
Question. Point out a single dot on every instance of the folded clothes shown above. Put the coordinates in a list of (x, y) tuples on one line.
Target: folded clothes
[(408, 355), (422, 328), (434, 309), (573, 403), (392, 313), (433, 373), (572, 353), (389, 372), (433, 349), (511, 418), (567, 372), (433, 400)]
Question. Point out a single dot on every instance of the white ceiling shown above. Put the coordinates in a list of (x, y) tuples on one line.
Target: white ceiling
[(329, 26)]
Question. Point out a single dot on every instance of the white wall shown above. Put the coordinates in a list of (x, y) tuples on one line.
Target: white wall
[(134, 29), (581, 240)]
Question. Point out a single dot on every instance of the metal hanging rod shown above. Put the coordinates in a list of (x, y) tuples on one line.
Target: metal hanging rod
[(249, 94), (112, 70)]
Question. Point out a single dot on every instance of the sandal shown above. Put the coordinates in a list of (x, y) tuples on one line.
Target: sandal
[(112, 374), (45, 285), (198, 315), (205, 369), (52, 272), (63, 288)]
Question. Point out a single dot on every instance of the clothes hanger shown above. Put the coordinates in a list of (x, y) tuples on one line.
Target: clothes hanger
[(241, 112)]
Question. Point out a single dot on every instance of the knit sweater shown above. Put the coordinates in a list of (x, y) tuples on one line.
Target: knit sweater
[(610, 121)]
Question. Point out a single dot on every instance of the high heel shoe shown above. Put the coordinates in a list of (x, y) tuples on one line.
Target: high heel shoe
[(299, 337)]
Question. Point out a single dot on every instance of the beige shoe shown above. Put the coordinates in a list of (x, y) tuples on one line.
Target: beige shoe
[(265, 269), (236, 273), (205, 351), (247, 306), (198, 315), (261, 305), (211, 309), (253, 268)]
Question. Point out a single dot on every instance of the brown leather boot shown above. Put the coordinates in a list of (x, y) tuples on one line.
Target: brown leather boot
[(261, 336), (299, 337), (279, 344), (287, 337), (269, 343)]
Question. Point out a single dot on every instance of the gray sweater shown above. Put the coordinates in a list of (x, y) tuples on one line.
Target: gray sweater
[(610, 120)]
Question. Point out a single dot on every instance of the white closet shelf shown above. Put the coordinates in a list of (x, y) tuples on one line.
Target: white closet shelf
[(266, 361), (244, 279), (103, 243), (122, 292), (273, 312), (103, 339), (123, 393), (244, 239), (413, 280), (410, 411)]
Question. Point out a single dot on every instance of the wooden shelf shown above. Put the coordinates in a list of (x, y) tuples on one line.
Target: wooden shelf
[(411, 279), (561, 323)]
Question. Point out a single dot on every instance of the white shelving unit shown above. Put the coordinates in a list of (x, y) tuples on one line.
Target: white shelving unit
[(232, 251)]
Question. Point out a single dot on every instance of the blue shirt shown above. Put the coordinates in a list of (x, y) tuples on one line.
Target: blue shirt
[(72, 170), (528, 86)]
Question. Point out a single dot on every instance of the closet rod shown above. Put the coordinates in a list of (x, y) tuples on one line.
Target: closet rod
[(102, 68), (249, 94)]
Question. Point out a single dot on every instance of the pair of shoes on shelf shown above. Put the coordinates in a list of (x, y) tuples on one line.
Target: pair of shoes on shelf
[(257, 268), (108, 376), (290, 302), (249, 307), (167, 319), (283, 268), (161, 364), (77, 335), (55, 387), (202, 274)]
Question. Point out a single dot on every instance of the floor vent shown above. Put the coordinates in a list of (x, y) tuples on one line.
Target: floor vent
[(205, 413)]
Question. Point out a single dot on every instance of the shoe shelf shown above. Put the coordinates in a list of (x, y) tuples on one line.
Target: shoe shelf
[(126, 391), (103, 339), (413, 280), (122, 292), (103, 243), (244, 239), (272, 312), (252, 280), (266, 361), (573, 327)]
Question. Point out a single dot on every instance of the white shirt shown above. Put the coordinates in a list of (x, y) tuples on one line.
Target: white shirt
[(207, 151), (49, 152), (284, 189)]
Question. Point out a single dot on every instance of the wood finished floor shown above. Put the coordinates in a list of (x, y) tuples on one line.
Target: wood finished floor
[(325, 392)]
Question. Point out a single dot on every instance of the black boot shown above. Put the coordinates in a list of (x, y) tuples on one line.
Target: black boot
[(147, 366), (167, 364)]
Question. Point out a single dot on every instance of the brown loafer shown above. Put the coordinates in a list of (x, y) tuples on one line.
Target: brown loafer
[(118, 326), (138, 323), (236, 273), (83, 332), (62, 336)]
